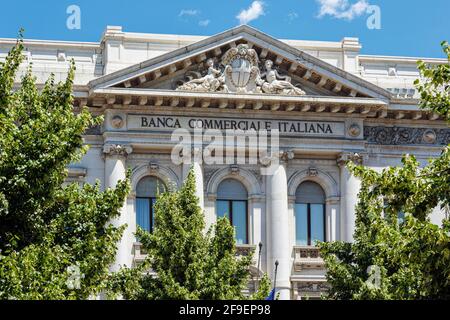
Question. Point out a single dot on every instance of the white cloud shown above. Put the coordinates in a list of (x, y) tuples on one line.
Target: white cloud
[(204, 23), (342, 9), (292, 15), (255, 10), (188, 12)]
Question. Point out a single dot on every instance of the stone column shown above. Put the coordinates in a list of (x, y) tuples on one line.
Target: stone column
[(332, 222), (197, 166), (350, 186), (278, 220), (115, 170), (257, 224)]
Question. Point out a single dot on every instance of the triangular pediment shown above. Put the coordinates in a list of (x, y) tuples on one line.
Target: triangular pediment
[(171, 71)]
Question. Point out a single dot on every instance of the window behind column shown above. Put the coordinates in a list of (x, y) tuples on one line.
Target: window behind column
[(309, 214), (146, 193), (232, 203)]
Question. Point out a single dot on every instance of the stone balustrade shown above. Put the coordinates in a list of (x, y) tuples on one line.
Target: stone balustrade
[(139, 253), (307, 258)]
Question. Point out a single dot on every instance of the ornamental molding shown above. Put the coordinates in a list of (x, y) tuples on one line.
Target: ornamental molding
[(322, 178), (382, 135), (164, 173), (213, 178)]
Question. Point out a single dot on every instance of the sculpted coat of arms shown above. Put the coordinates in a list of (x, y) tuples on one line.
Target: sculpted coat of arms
[(241, 74)]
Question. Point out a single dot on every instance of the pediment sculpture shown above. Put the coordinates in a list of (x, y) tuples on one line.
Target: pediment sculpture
[(240, 73)]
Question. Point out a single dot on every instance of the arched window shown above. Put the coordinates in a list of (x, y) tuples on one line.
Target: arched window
[(309, 214), (232, 203), (146, 193)]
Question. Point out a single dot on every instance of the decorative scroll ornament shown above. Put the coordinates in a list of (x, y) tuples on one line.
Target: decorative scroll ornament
[(241, 75)]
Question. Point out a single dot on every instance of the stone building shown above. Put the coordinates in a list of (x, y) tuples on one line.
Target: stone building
[(330, 104)]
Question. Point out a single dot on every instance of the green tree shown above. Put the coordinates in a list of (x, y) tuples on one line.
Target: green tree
[(55, 241), (406, 258), (189, 264)]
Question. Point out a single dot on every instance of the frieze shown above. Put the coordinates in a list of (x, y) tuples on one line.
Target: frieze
[(313, 287), (94, 131), (406, 135)]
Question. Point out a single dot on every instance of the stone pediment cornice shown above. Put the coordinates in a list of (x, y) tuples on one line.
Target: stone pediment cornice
[(101, 99), (304, 68), (119, 97)]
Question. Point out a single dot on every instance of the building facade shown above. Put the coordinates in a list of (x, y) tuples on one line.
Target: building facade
[(329, 103)]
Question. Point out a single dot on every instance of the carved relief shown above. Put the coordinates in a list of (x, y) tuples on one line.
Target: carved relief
[(354, 130), (95, 130), (241, 74), (117, 122), (277, 84), (313, 172), (405, 135), (211, 82)]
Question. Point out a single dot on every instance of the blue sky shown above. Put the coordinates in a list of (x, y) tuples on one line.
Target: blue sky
[(408, 27)]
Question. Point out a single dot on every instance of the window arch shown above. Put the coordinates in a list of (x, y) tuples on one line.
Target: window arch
[(147, 191), (232, 203), (309, 214)]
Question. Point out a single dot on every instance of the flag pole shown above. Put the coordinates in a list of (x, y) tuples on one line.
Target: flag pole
[(259, 263)]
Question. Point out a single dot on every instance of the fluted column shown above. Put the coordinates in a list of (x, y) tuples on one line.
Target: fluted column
[(350, 186), (115, 171), (278, 220)]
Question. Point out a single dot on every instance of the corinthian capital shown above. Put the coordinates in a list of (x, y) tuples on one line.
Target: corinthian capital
[(286, 155), (345, 157), (117, 150), (282, 156)]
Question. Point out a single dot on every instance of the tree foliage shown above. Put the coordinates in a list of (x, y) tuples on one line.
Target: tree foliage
[(392, 257), (55, 240), (187, 263)]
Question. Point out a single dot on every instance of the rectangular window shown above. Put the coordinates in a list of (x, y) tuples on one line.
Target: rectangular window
[(309, 223), (317, 223), (236, 212), (239, 210), (143, 213), (301, 224), (223, 209)]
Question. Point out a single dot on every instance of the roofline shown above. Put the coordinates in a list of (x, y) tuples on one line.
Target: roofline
[(52, 43), (402, 59)]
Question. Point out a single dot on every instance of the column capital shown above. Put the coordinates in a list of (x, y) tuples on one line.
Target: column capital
[(281, 156), (117, 150), (357, 158)]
